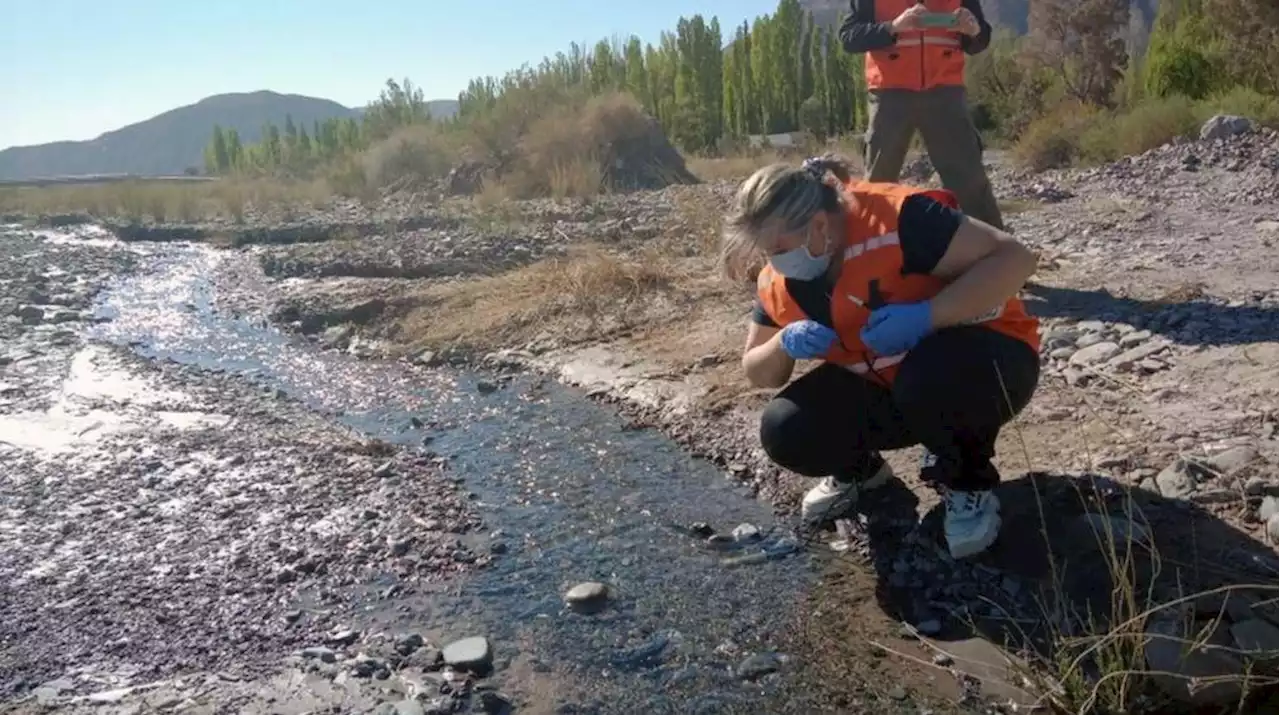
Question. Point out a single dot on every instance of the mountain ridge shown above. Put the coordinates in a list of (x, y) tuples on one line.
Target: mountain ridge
[(174, 140)]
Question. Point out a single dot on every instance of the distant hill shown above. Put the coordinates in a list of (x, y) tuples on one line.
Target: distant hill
[(168, 143), (442, 108)]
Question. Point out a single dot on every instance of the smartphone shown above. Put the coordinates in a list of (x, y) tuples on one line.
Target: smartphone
[(937, 19)]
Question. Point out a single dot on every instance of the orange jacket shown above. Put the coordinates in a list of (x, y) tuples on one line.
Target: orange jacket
[(872, 273), (921, 59)]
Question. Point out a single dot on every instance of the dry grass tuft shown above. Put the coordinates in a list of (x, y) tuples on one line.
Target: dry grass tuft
[(587, 292)]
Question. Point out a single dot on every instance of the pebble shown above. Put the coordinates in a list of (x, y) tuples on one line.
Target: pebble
[(409, 707), (746, 532), (1268, 509), (758, 665), (1257, 486), (408, 643), (343, 637), (320, 653), (929, 626)]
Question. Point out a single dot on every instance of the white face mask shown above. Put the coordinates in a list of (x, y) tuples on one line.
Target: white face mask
[(799, 264)]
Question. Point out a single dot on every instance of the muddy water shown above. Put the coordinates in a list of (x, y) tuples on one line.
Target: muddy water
[(563, 484)]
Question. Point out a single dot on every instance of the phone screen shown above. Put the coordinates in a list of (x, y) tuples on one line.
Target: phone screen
[(937, 19)]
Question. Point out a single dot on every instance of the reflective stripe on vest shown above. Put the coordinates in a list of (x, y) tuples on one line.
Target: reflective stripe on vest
[(928, 40), (857, 249)]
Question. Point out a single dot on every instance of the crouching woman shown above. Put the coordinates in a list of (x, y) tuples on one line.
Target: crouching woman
[(912, 308)]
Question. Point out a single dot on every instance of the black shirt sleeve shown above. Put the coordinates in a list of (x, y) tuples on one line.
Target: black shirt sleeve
[(760, 316), (977, 43), (925, 230), (859, 31)]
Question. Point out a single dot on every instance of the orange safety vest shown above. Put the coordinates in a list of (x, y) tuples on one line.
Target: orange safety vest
[(921, 59), (872, 275)]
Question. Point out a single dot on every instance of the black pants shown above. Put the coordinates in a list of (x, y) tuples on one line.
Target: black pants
[(953, 393)]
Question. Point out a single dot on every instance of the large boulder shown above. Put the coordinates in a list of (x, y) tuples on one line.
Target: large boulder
[(1222, 126)]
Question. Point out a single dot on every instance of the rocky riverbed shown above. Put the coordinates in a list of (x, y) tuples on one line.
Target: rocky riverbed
[(205, 514)]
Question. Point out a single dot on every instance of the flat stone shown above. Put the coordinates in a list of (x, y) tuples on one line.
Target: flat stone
[(1257, 637), (319, 652), (1134, 338), (1088, 339), (343, 637), (1135, 354), (110, 696), (1234, 605), (1268, 508), (1175, 481), (1176, 664), (746, 532), (588, 596), (1232, 461), (471, 654), (758, 665), (1094, 354)]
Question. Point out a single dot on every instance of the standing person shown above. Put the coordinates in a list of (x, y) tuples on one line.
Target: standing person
[(915, 80), (912, 307)]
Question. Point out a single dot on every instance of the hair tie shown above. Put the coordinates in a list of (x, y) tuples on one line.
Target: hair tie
[(815, 167)]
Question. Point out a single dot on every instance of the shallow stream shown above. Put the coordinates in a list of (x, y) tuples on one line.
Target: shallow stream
[(564, 484)]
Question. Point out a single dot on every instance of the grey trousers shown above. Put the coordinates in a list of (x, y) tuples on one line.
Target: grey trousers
[(955, 148)]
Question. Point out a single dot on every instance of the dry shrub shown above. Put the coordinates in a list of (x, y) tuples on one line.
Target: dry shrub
[(1052, 141), (410, 157), (1147, 125), (607, 142)]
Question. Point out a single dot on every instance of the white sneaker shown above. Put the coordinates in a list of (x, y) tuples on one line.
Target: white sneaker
[(831, 498), (972, 522)]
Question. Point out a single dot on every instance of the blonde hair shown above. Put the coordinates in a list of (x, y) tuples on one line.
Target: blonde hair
[(781, 196)]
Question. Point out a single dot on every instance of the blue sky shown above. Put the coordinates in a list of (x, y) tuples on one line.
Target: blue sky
[(72, 69)]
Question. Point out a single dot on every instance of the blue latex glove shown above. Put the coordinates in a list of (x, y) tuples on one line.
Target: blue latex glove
[(897, 328), (807, 339)]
